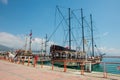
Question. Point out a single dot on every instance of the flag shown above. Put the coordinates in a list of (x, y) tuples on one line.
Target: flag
[(67, 47), (30, 33)]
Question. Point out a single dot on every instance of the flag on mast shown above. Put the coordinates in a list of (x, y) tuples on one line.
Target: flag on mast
[(30, 33), (30, 40)]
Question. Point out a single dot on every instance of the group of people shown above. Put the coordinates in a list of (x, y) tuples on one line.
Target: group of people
[(14, 57), (10, 56)]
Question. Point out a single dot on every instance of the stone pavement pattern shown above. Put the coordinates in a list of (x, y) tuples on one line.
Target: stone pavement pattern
[(11, 71)]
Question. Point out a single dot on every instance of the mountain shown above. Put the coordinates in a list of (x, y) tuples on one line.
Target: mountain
[(4, 48)]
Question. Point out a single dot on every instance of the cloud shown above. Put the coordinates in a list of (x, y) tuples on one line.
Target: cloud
[(105, 34), (110, 51), (10, 40), (4, 1), (39, 43), (18, 41)]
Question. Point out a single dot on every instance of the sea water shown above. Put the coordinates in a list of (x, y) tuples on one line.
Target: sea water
[(112, 67), (109, 68)]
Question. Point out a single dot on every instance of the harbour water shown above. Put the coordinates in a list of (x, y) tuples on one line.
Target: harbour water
[(109, 68)]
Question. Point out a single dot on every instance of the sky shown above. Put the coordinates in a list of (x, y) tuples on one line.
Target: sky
[(18, 17)]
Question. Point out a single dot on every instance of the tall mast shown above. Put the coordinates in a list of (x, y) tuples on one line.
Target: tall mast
[(83, 38), (30, 40), (69, 29), (92, 35), (25, 42), (46, 44)]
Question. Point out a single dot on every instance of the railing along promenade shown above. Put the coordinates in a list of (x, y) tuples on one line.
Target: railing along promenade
[(104, 67), (111, 56)]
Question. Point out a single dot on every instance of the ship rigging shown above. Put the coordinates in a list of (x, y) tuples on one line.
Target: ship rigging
[(79, 53)]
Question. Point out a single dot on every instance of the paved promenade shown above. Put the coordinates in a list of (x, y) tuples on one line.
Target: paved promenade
[(12, 71)]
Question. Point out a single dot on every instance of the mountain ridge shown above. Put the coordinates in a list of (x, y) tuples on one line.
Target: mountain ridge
[(4, 48)]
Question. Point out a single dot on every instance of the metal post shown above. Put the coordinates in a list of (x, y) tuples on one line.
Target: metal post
[(23, 60), (52, 65), (88, 66), (34, 62), (28, 61), (105, 72), (82, 69), (19, 60), (65, 66), (41, 63)]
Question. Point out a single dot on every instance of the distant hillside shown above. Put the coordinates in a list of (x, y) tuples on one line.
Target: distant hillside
[(4, 48)]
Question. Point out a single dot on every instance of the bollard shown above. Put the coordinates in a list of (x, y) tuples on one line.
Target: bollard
[(105, 73), (12, 60), (41, 63), (9, 59), (88, 66), (19, 60), (4, 58), (52, 65), (23, 60), (34, 62), (82, 69), (65, 66), (28, 61), (0, 57)]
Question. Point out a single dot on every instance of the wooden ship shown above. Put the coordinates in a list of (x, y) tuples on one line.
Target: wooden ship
[(24, 53), (29, 54), (60, 54)]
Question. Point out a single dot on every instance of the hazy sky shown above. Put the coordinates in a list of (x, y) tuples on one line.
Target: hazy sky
[(18, 17)]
